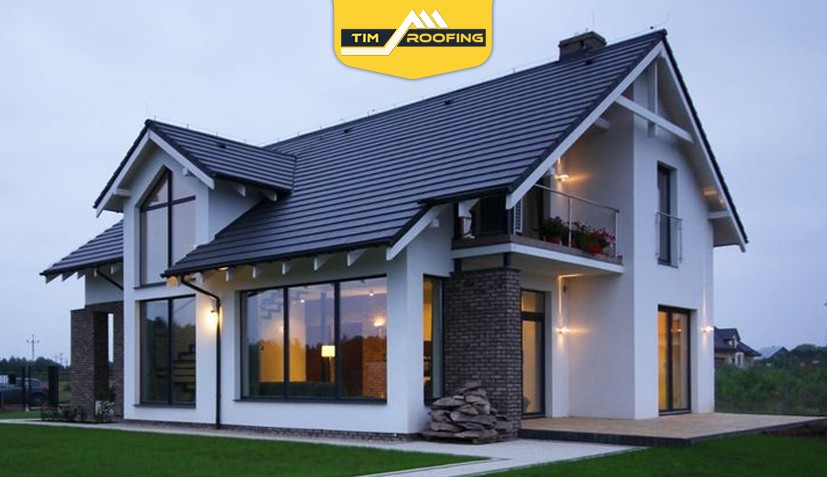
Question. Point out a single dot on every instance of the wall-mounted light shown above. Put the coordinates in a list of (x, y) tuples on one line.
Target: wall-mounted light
[(563, 330), (708, 329), (561, 177), (213, 317), (379, 321), (328, 351)]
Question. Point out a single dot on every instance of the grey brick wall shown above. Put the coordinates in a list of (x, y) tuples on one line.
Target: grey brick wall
[(90, 366), (482, 334)]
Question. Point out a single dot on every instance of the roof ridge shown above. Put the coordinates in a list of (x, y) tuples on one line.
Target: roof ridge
[(437, 96)]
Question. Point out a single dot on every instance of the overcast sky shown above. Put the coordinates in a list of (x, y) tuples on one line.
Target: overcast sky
[(77, 80)]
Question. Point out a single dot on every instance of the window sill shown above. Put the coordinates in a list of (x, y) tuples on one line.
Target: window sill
[(160, 405), (293, 400)]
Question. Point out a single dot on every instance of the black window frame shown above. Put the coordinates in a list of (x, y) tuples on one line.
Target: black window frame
[(436, 365), (168, 204), (666, 211), (537, 317), (170, 401), (338, 384)]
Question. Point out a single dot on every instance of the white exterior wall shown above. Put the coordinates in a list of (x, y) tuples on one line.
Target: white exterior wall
[(99, 290), (404, 411), (599, 310), (607, 366), (689, 285)]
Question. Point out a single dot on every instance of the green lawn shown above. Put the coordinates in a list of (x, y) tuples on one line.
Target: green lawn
[(20, 415), (46, 451), (749, 456)]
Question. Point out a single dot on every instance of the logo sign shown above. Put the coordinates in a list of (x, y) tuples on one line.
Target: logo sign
[(412, 38)]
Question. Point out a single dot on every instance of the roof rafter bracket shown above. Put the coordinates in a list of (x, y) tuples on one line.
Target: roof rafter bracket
[(355, 255), (318, 262)]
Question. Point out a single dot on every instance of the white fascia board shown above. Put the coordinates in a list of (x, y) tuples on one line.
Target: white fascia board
[(117, 189), (537, 252), (415, 230), (116, 184), (696, 131), (654, 118), (521, 190)]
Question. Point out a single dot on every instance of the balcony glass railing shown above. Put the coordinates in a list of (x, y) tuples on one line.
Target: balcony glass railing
[(669, 239), (576, 222)]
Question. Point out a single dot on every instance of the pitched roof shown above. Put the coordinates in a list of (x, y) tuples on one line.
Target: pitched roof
[(105, 249), (364, 182), (220, 158)]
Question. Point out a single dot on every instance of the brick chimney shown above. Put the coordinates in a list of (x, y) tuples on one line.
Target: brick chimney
[(580, 44)]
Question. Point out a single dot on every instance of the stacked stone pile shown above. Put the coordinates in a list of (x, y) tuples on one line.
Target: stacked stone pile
[(466, 415)]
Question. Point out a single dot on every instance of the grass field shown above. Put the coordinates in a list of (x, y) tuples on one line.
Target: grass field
[(36, 451), (20, 415), (753, 456)]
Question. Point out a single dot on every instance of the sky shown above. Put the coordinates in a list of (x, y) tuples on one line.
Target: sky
[(77, 80)]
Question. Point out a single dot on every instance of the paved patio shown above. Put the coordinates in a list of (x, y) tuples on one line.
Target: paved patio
[(683, 429)]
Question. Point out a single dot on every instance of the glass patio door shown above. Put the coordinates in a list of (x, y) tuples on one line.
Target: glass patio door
[(673, 360), (533, 315)]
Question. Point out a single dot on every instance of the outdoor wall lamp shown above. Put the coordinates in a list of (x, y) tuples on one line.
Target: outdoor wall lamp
[(563, 330), (708, 329)]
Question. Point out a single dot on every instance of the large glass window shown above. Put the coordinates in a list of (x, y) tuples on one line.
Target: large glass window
[(168, 351), (432, 337), (336, 341), (167, 222)]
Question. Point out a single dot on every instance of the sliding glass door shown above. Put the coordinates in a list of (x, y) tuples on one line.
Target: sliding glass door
[(673, 360)]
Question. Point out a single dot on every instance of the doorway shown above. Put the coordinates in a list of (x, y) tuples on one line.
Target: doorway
[(533, 317), (673, 360)]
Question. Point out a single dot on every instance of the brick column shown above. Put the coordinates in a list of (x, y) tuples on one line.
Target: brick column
[(90, 368), (90, 349), (482, 333)]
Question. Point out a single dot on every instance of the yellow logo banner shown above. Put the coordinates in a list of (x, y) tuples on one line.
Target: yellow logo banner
[(412, 38)]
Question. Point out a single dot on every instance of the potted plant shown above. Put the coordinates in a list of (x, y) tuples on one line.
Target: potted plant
[(597, 241), (554, 230)]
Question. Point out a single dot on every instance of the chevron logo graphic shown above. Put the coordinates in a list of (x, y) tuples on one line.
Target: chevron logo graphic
[(421, 45), (421, 21)]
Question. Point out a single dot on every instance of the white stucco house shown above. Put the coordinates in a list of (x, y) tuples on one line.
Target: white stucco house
[(550, 233)]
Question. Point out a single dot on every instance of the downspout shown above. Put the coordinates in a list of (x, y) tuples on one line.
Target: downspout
[(217, 347)]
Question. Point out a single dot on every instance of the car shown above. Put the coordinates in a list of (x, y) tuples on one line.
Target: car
[(13, 393)]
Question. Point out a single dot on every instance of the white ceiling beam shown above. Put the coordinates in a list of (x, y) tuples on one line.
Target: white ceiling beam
[(355, 255), (602, 124), (285, 267), (240, 188), (654, 118), (229, 273), (415, 230)]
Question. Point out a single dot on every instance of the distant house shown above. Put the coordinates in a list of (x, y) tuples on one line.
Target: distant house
[(729, 349), (549, 233), (771, 352)]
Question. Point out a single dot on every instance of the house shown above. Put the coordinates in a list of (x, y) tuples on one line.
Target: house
[(549, 233), (729, 349), (772, 352)]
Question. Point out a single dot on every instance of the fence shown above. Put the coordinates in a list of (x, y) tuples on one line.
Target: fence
[(29, 387)]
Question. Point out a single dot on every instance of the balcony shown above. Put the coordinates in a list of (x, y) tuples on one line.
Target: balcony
[(552, 224)]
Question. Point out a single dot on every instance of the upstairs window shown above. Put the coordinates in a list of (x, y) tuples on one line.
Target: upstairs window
[(669, 225), (167, 226)]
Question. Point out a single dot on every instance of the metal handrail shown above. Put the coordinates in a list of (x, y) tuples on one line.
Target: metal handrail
[(678, 236), (570, 198), (540, 186)]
